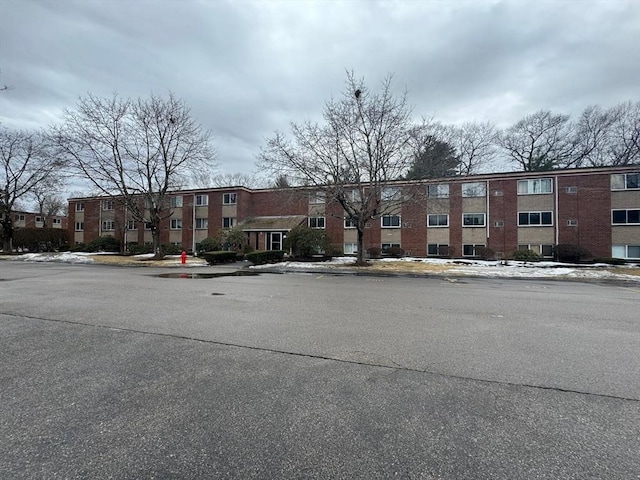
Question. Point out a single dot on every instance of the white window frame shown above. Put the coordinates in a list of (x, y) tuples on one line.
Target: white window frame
[(625, 249), (108, 226), (202, 200), (386, 246), (229, 222), (108, 205), (131, 225), (39, 219), (473, 246), (474, 189), (438, 247), (349, 224), (474, 225), (626, 210), (176, 224), (318, 223), (350, 248), (438, 190), (79, 227), (202, 223), (56, 221), (80, 207), (541, 214), (621, 181), (230, 198), (529, 187), (176, 201), (20, 217), (390, 219), (437, 224)]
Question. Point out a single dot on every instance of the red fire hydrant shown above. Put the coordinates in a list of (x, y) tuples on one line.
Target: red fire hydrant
[(183, 257)]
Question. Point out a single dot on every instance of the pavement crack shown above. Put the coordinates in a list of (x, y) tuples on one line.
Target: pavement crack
[(395, 366)]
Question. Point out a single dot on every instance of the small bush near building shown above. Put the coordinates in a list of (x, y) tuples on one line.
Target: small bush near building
[(485, 253), (260, 257), (224, 256), (78, 247), (526, 256), (171, 249), (306, 242), (374, 252), (209, 244), (566, 252), (610, 261), (136, 249), (104, 244), (395, 252)]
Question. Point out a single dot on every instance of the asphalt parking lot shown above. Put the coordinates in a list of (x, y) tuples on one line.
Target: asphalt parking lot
[(118, 372)]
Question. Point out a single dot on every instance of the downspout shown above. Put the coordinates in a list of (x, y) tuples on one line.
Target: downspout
[(193, 224), (555, 208)]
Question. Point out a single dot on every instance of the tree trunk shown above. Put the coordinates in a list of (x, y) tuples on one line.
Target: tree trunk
[(361, 259)]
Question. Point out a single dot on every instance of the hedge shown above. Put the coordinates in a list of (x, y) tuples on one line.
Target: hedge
[(213, 258), (260, 257)]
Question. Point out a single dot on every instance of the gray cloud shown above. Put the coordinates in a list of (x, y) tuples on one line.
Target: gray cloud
[(248, 68)]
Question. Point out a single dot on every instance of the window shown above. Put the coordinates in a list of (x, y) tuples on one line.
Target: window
[(147, 225), (544, 250), (534, 218), (625, 181), (202, 223), (626, 251), (535, 187), (438, 249), (20, 217), (131, 225), (350, 248), (476, 189), (390, 193), (108, 226), (56, 221), (228, 222), (80, 207), (176, 223), (107, 204), (440, 190), (349, 223), (229, 198), (176, 202), (39, 220), (354, 195), (316, 222), (202, 200), (390, 221), (437, 220), (470, 250), (625, 217), (316, 197), (387, 246), (79, 226), (473, 219)]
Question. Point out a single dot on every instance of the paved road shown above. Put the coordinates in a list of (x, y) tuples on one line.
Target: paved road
[(111, 372)]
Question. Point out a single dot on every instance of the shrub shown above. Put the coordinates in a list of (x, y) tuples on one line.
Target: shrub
[(260, 257), (526, 256), (374, 252), (567, 252), (306, 242), (485, 253), (610, 261), (395, 252), (136, 249), (209, 244), (171, 249), (223, 256), (104, 244), (78, 247), (39, 239)]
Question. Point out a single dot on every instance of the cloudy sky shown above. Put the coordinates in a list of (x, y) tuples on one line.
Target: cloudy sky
[(248, 68)]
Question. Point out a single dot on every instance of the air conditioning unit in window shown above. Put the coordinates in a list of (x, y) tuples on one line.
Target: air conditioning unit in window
[(572, 223), (498, 193), (572, 190), (498, 224)]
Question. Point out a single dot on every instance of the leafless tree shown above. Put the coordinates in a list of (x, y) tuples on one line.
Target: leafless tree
[(363, 144), (46, 195), (541, 141), (220, 180), (475, 144), (626, 134), (135, 151), (26, 162)]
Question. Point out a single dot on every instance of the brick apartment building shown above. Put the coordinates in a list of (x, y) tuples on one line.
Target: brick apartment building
[(36, 220), (596, 208)]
